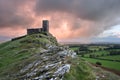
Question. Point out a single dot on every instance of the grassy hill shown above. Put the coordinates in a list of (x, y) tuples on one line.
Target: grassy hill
[(18, 53), (17, 56)]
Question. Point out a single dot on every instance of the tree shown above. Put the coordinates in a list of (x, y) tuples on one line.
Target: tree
[(83, 48)]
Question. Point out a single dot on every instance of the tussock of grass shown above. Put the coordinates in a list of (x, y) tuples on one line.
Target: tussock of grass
[(80, 70)]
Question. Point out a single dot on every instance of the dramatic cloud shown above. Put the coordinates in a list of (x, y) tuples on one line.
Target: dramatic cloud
[(68, 18), (83, 18), (86, 9), (14, 13)]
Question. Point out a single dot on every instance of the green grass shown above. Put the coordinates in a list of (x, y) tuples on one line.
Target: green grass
[(21, 51), (93, 48), (96, 47), (16, 54), (80, 70), (108, 64), (13, 54), (114, 57), (9, 56), (99, 53), (74, 48)]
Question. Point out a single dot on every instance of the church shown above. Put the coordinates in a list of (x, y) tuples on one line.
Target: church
[(45, 28)]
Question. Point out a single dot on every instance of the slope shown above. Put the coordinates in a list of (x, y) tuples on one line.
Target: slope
[(40, 57)]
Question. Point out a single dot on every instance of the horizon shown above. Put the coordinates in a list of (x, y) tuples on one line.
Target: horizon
[(78, 21)]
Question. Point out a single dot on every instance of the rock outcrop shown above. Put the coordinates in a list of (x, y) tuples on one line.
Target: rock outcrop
[(52, 65), (49, 63)]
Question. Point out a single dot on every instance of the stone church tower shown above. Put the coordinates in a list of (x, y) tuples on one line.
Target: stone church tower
[(45, 28), (45, 25)]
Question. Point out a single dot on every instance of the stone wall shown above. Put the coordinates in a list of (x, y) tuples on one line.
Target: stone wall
[(34, 31)]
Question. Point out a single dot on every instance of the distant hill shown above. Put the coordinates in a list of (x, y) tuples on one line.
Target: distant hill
[(40, 57)]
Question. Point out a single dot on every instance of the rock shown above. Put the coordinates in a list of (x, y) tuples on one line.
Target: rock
[(50, 64), (62, 70)]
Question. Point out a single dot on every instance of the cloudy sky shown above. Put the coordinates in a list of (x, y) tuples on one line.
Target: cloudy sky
[(70, 20)]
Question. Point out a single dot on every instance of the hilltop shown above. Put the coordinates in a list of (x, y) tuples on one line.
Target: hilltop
[(40, 57)]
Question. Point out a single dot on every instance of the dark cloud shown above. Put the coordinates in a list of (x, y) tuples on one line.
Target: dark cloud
[(12, 13), (83, 17), (74, 18), (86, 9)]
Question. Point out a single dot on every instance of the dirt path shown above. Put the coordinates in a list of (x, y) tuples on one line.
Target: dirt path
[(107, 69)]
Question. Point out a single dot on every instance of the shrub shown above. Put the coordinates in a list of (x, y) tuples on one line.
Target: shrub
[(99, 63)]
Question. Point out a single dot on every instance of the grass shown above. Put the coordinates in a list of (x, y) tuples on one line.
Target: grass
[(16, 54), (74, 48), (13, 54), (21, 51), (96, 47), (99, 53), (9, 56), (93, 48), (108, 64), (114, 57), (80, 70)]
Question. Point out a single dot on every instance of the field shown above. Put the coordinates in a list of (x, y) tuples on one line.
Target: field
[(100, 53), (97, 53), (108, 64), (116, 57), (74, 48), (97, 47)]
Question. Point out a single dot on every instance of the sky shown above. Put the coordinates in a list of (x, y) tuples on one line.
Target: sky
[(70, 20)]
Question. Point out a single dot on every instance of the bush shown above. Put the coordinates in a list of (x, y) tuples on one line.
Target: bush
[(82, 55), (99, 63)]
